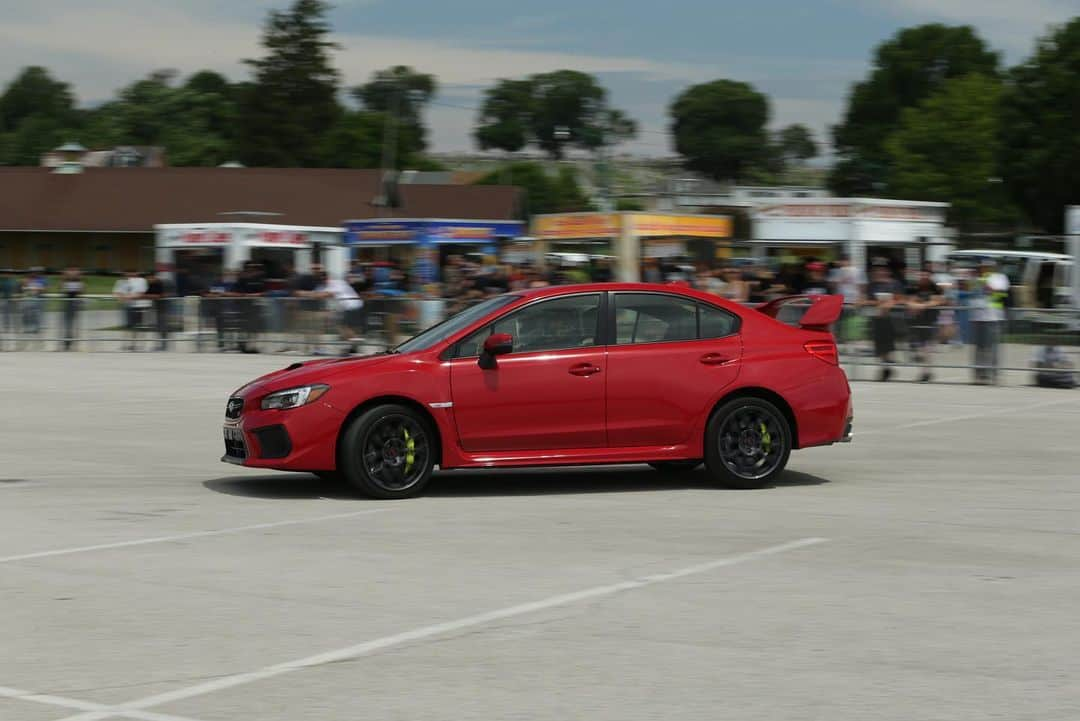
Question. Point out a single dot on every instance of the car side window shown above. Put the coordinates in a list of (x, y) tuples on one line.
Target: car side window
[(654, 318), (556, 324), (659, 318), (716, 323)]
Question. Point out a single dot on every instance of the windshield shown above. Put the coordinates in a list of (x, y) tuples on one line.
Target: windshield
[(440, 332)]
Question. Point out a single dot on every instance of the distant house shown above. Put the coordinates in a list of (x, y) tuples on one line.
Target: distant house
[(122, 156)]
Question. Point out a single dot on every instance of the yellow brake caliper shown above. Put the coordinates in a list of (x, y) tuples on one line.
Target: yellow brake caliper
[(410, 450), (766, 439)]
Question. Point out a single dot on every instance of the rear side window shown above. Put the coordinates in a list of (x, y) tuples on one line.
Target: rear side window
[(716, 323), (659, 318)]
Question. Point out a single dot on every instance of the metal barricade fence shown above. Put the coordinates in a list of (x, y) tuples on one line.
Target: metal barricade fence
[(951, 343), (208, 324), (905, 341)]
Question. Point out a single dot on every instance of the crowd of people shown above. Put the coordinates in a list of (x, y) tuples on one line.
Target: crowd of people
[(241, 310)]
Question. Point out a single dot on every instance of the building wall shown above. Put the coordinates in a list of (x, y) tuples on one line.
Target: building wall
[(111, 252)]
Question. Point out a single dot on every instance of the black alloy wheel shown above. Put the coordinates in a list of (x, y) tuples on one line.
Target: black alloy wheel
[(747, 443), (388, 452)]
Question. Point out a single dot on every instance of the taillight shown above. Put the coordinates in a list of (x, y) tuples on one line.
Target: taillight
[(824, 350)]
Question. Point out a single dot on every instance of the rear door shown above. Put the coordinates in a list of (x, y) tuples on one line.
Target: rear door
[(548, 393), (669, 357)]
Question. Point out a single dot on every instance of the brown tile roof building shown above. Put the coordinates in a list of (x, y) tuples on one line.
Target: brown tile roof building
[(136, 199)]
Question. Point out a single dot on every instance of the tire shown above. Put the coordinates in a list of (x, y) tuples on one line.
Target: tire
[(388, 452), (747, 443), (675, 466)]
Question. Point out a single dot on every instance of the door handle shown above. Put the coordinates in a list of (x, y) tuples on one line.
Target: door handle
[(715, 359), (584, 369)]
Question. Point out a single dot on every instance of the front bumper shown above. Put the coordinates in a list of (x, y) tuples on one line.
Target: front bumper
[(302, 439)]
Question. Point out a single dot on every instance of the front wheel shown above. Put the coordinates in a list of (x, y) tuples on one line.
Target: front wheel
[(747, 443), (388, 452)]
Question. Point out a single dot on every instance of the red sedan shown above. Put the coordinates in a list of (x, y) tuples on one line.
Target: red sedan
[(569, 375)]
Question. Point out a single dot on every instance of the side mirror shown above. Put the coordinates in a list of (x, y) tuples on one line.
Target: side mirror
[(495, 345)]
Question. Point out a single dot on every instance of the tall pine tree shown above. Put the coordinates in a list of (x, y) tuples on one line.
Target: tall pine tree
[(292, 101)]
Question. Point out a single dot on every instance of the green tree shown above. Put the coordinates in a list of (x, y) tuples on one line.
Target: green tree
[(194, 121), (506, 116), (35, 92), (553, 111), (37, 113), (719, 127), (1040, 128), (946, 149), (907, 69), (292, 102), (796, 143), (398, 96), (544, 193)]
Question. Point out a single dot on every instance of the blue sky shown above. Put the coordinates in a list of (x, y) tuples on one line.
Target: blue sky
[(804, 54)]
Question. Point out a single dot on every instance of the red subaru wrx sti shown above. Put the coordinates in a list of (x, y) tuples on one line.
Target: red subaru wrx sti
[(569, 375)]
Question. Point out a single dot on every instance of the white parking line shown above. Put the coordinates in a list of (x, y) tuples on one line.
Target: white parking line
[(99, 711), (368, 647), (185, 536)]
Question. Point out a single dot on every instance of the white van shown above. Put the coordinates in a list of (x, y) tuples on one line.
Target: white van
[(1037, 280)]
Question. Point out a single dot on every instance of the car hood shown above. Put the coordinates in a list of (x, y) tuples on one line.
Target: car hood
[(304, 373)]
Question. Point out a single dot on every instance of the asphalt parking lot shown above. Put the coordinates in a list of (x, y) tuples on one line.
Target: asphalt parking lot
[(926, 571)]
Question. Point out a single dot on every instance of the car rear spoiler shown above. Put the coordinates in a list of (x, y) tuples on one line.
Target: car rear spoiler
[(824, 310)]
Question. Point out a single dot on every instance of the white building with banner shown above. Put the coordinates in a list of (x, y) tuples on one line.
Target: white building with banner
[(861, 228), (227, 246)]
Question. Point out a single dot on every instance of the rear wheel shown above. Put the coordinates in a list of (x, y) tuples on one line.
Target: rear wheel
[(675, 466), (387, 452), (747, 443)]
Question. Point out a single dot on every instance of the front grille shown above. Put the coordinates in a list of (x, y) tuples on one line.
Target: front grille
[(234, 408), (234, 443)]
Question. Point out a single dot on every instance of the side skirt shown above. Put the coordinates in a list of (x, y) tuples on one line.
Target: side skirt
[(572, 457)]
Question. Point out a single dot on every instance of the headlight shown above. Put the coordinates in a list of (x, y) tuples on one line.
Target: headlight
[(293, 397)]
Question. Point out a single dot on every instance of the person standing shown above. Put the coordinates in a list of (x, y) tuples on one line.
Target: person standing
[(349, 308), (848, 281), (33, 291), (9, 292), (990, 293), (128, 292), (157, 294), (924, 300), (883, 294), (72, 289)]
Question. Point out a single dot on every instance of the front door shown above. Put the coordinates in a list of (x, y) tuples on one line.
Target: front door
[(548, 393), (670, 357)]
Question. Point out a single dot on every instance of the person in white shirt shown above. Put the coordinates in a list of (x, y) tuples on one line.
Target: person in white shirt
[(987, 319), (349, 311), (129, 292)]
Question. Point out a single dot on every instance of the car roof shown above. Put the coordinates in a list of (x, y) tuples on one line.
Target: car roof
[(672, 288)]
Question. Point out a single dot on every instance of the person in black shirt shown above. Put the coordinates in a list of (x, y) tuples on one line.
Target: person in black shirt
[(72, 288), (156, 292), (923, 300), (250, 286), (884, 293)]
